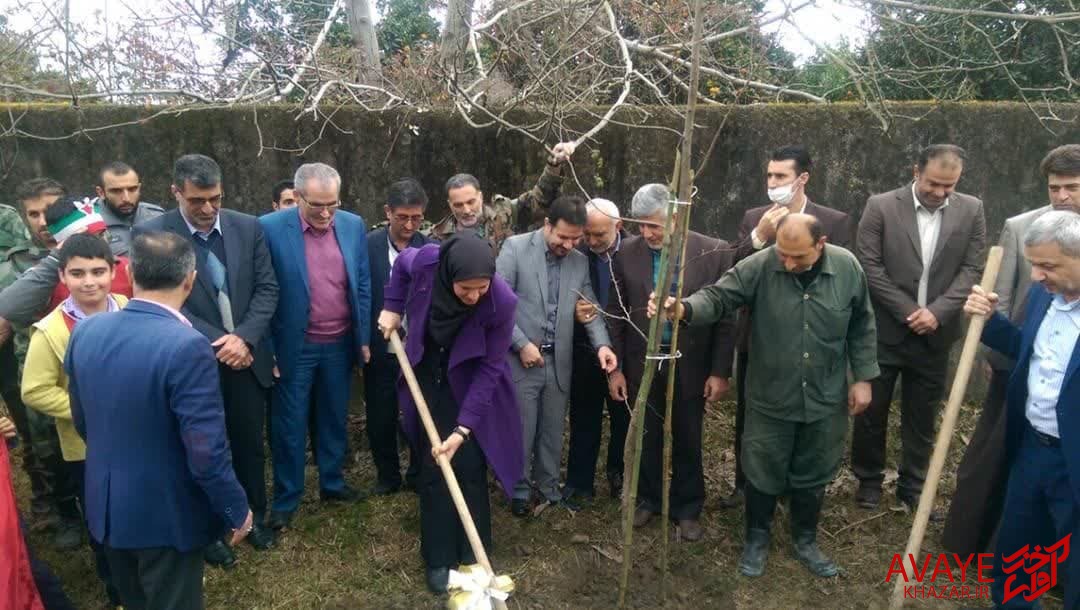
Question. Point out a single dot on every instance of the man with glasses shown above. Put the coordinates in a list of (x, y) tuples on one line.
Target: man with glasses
[(321, 329), (234, 297), (404, 209)]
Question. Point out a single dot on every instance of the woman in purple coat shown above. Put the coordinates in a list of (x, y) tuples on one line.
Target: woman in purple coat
[(460, 318)]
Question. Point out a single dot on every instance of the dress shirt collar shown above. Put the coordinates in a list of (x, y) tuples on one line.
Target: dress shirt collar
[(919, 204), (174, 312), (305, 226), (194, 231)]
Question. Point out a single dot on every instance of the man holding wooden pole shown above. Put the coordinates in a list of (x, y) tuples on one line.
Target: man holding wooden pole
[(1042, 438), (811, 323)]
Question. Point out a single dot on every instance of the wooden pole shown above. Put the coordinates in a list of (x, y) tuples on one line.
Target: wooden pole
[(632, 451), (948, 423), (444, 464), (684, 183)]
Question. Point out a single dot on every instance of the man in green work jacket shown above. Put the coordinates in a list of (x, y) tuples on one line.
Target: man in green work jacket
[(812, 328)]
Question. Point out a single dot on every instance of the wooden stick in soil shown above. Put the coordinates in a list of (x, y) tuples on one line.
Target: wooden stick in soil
[(948, 423), (632, 450), (444, 464), (684, 182)]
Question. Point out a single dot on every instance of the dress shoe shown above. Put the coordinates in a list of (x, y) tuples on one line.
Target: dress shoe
[(261, 537), (279, 520), (385, 489), (219, 554), (734, 500), (754, 553), (912, 504), (438, 579), (345, 495), (642, 516), (690, 530), (68, 535), (615, 485), (569, 504), (571, 494), (519, 508), (868, 496)]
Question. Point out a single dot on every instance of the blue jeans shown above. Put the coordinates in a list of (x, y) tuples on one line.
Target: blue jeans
[(1039, 510), (326, 368)]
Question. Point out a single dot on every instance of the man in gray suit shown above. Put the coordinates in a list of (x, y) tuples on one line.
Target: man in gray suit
[(548, 275), (922, 247), (980, 479)]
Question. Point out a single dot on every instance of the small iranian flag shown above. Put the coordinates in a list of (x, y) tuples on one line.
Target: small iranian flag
[(78, 221)]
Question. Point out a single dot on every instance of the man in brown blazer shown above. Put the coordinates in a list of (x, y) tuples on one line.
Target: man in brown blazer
[(980, 479), (922, 247), (704, 370), (787, 174)]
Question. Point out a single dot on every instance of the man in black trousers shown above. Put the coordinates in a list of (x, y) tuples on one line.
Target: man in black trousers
[(234, 297), (588, 386), (404, 209)]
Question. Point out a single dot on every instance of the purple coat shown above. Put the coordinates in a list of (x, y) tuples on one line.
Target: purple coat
[(478, 372)]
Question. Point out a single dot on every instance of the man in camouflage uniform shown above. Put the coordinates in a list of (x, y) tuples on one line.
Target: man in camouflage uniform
[(118, 199), (504, 216), (23, 243)]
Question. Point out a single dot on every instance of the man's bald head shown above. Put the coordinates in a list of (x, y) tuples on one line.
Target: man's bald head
[(800, 241)]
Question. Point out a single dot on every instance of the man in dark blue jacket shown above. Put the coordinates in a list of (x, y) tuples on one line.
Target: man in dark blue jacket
[(1042, 433), (405, 205), (159, 479)]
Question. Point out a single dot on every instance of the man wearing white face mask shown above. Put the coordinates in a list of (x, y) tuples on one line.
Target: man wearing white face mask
[(787, 175)]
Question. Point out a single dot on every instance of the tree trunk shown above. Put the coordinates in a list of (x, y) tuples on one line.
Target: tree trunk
[(455, 37), (367, 45)]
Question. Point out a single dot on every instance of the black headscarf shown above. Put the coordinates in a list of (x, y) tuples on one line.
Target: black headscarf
[(465, 256)]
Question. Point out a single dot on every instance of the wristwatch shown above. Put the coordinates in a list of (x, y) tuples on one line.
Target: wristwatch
[(462, 433)]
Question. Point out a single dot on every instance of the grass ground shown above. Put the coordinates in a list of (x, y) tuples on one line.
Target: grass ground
[(367, 555)]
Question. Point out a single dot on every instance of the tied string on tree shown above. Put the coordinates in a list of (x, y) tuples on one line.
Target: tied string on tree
[(473, 588)]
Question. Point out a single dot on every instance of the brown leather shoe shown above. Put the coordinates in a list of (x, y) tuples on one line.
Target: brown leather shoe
[(690, 530), (642, 516)]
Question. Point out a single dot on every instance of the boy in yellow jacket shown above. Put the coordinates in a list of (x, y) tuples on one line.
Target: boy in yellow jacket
[(87, 268)]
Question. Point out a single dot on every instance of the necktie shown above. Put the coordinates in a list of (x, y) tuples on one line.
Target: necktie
[(218, 278)]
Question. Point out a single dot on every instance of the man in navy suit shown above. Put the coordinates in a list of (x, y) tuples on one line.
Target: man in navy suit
[(321, 329), (405, 205), (231, 304), (1042, 442), (145, 396)]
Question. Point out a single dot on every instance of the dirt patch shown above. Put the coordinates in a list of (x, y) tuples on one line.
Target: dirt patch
[(368, 555)]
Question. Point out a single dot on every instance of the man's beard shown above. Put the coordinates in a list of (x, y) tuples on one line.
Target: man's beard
[(119, 212)]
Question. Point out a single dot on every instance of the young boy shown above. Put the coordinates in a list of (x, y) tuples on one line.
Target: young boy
[(77, 215), (87, 271)]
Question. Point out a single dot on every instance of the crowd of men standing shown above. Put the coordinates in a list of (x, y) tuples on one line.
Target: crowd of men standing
[(815, 314)]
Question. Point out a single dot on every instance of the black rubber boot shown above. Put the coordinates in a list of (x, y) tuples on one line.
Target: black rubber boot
[(805, 512), (759, 514)]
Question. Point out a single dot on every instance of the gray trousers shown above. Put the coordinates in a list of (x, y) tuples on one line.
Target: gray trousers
[(543, 415)]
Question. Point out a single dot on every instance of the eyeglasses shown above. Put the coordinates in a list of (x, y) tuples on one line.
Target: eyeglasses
[(202, 201), (404, 218), (320, 207)]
